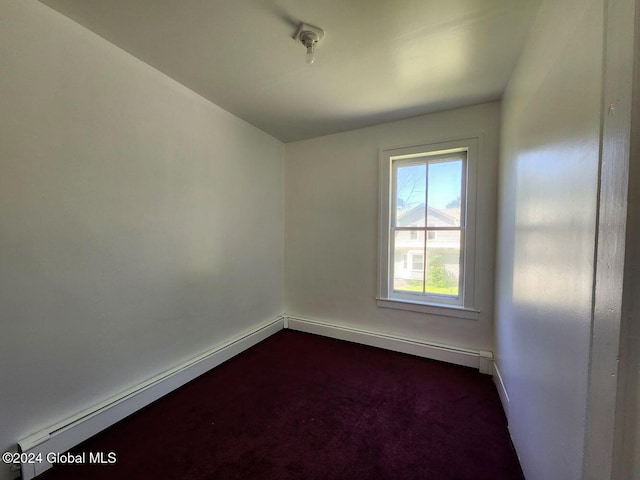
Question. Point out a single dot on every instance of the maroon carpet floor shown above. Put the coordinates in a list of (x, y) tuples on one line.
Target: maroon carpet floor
[(300, 406)]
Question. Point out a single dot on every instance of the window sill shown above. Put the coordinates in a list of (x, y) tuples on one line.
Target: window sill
[(441, 310)]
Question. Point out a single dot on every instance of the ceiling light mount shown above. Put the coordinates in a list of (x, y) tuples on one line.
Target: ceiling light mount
[(309, 36)]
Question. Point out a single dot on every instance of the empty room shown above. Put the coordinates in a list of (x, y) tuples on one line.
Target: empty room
[(280, 239)]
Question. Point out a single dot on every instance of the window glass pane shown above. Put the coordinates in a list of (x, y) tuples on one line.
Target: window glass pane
[(444, 193), (408, 262), (410, 195), (443, 263), (417, 262)]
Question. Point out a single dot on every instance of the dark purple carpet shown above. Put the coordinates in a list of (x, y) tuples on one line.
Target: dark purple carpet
[(299, 406)]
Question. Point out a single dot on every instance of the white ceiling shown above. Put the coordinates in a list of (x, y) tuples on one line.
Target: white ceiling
[(380, 60)]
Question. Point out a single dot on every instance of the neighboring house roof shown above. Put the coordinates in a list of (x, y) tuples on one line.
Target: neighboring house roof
[(449, 217)]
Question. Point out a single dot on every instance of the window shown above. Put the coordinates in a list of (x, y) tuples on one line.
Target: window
[(417, 263), (427, 227)]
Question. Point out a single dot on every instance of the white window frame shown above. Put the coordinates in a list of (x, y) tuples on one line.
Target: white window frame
[(461, 307)]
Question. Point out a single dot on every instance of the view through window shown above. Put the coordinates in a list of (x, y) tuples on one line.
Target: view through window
[(427, 224)]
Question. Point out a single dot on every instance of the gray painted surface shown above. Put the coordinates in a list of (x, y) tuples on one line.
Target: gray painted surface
[(628, 446), (606, 375)]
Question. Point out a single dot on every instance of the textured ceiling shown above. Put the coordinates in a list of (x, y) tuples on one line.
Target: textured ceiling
[(380, 60)]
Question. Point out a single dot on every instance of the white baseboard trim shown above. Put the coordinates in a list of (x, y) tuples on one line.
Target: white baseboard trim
[(502, 390), (64, 435), (480, 359)]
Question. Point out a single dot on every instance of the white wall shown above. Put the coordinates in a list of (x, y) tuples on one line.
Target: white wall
[(140, 224), (547, 220), (331, 227)]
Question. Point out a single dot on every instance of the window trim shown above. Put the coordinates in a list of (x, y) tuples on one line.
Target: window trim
[(386, 298)]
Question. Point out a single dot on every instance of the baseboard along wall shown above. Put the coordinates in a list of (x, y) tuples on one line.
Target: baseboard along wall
[(480, 359), (66, 434), (502, 390)]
